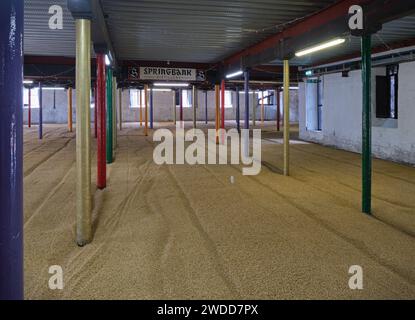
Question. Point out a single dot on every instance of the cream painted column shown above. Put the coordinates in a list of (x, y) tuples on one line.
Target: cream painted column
[(286, 118), (83, 132)]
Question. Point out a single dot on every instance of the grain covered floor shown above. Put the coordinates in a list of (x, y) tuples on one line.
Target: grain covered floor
[(187, 232)]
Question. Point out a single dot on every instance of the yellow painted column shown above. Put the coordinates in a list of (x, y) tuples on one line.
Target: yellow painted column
[(120, 107), (83, 132), (286, 118), (145, 110), (70, 126)]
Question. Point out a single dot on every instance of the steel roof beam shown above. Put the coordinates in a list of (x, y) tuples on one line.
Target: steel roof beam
[(92, 9), (328, 23)]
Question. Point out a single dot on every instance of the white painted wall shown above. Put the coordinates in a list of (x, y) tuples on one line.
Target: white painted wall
[(163, 108), (342, 116)]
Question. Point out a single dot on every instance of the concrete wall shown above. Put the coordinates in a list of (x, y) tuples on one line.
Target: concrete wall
[(163, 108), (342, 115)]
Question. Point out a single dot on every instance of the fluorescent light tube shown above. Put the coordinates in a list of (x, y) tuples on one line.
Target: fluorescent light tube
[(235, 74), (319, 47), (170, 84)]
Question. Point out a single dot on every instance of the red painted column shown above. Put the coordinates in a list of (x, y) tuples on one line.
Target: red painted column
[(222, 98), (95, 109), (29, 109), (101, 122)]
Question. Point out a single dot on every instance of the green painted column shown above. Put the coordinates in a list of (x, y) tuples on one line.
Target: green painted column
[(109, 117), (366, 125)]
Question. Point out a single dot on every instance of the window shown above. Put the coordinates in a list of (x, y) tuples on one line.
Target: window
[(228, 99), (34, 98), (268, 97), (135, 98), (387, 94), (187, 98)]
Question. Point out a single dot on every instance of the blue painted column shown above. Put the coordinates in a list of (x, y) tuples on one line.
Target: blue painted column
[(11, 150), (206, 106), (238, 120), (246, 88), (151, 108), (40, 111)]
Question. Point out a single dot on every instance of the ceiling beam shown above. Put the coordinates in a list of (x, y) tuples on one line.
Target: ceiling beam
[(92, 9), (321, 26)]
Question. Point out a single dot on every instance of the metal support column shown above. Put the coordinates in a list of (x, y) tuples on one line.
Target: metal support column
[(366, 125), (83, 132), (70, 126), (146, 110), (29, 109), (151, 108), (286, 118), (206, 107), (217, 112), (101, 118), (194, 104), (246, 89), (238, 116), (278, 105), (222, 104), (11, 150), (40, 111), (109, 117), (174, 107), (120, 107)]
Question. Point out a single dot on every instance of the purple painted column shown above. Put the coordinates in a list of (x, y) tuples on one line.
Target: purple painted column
[(11, 147)]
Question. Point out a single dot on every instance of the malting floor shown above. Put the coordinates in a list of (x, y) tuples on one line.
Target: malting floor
[(187, 232)]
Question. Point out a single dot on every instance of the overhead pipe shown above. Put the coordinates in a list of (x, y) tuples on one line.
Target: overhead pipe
[(11, 150), (286, 118), (83, 132), (101, 128)]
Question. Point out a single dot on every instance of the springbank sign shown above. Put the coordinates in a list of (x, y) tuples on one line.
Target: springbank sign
[(166, 74)]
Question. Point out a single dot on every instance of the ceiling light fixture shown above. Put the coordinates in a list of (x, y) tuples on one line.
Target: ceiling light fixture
[(319, 47)]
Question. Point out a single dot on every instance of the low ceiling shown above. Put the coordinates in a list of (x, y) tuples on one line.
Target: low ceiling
[(169, 30), (197, 31)]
